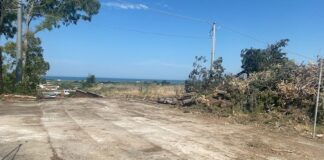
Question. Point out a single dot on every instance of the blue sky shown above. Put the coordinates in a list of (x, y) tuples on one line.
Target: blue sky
[(148, 38)]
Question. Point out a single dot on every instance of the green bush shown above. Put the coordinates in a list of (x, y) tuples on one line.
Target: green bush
[(271, 82)]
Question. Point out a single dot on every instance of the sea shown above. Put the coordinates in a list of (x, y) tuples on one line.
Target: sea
[(115, 80)]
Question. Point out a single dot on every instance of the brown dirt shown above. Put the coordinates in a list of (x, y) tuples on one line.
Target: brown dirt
[(117, 129)]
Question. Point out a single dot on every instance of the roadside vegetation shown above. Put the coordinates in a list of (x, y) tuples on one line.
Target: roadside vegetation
[(271, 88), (39, 15), (145, 90), (141, 90)]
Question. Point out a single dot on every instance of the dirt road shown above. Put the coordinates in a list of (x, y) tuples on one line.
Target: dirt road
[(104, 129)]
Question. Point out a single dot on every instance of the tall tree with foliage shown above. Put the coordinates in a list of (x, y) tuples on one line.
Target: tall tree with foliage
[(256, 60), (47, 14), (51, 14), (7, 29), (35, 68), (9, 66), (91, 79)]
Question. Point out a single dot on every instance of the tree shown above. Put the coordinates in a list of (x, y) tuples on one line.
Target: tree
[(216, 74), (7, 29), (54, 13), (196, 75), (7, 17), (253, 60), (91, 79), (9, 63), (35, 68), (45, 14), (202, 79), (256, 60)]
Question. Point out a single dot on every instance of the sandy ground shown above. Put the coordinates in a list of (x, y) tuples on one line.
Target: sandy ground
[(80, 129)]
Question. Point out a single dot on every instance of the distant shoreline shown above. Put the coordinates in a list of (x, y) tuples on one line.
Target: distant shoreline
[(119, 80)]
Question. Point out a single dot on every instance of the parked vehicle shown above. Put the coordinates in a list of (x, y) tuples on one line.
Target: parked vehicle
[(66, 92)]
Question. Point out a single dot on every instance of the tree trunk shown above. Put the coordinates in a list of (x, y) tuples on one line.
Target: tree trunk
[(25, 44), (29, 17), (1, 72), (25, 52)]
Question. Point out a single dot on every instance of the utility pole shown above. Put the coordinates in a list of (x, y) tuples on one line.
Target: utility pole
[(19, 42), (318, 95), (213, 35)]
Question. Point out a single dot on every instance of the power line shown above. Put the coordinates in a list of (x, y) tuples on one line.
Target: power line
[(228, 28), (197, 37), (300, 55), (263, 42), (141, 31), (172, 14), (200, 37), (243, 34), (160, 34), (151, 33), (180, 16)]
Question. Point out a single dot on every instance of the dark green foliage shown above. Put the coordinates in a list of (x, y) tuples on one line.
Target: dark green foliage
[(320, 113), (7, 30), (8, 68), (36, 67), (9, 81), (58, 12), (165, 82), (7, 18), (252, 60), (257, 60), (271, 67), (90, 81)]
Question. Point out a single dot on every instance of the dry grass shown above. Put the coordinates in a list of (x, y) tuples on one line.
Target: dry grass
[(149, 91)]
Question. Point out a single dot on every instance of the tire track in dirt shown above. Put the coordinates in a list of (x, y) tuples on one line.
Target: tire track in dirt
[(182, 142), (127, 145), (67, 138), (237, 139), (74, 129), (21, 125), (54, 153)]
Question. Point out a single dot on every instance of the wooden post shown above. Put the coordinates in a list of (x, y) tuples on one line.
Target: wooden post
[(317, 98)]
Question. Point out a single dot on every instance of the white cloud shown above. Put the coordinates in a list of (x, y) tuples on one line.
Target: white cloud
[(163, 5), (126, 5)]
